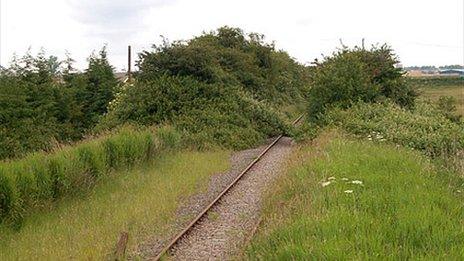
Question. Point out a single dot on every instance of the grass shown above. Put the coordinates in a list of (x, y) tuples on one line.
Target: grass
[(36, 181), (404, 209), (435, 92), (142, 201), (434, 87)]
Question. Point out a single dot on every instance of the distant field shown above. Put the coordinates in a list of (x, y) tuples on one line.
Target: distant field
[(433, 88)]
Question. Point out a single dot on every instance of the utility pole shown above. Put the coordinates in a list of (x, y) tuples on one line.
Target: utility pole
[(129, 76)]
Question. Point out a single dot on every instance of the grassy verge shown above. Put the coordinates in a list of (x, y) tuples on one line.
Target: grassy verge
[(39, 180), (361, 200), (141, 201)]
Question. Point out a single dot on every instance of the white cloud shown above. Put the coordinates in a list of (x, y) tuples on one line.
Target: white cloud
[(421, 31)]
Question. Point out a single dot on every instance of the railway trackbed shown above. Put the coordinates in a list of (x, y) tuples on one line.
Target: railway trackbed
[(221, 225)]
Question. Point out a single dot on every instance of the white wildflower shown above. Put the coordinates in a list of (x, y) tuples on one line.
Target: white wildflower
[(357, 182), (344, 179), (331, 178), (458, 191), (348, 191), (369, 138), (325, 184)]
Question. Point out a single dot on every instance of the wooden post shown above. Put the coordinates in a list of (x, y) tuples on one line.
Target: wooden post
[(120, 251), (129, 62)]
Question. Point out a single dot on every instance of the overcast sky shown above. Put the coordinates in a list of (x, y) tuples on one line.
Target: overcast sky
[(423, 32)]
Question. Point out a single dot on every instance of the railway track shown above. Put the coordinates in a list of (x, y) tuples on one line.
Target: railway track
[(192, 224)]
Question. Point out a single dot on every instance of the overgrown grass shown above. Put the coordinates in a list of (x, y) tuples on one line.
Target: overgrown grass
[(361, 200), (425, 128), (142, 201), (38, 180)]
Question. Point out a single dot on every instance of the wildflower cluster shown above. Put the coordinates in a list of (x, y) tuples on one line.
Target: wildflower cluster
[(374, 135), (332, 179)]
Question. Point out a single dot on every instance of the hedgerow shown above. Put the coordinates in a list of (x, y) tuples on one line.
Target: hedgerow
[(39, 179)]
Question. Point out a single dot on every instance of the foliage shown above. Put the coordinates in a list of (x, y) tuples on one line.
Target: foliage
[(220, 88), (42, 104), (227, 56), (40, 178), (360, 200), (352, 75), (425, 128), (208, 114), (447, 105)]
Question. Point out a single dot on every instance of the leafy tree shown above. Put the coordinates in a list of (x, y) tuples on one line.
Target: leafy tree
[(100, 85), (228, 56), (42, 104), (352, 75)]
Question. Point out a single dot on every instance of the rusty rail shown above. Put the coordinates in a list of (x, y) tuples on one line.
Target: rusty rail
[(203, 213)]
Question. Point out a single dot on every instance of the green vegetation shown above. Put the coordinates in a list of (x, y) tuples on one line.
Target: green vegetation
[(221, 88), (434, 88), (42, 103), (206, 113), (63, 196), (352, 75), (142, 201), (361, 200), (38, 180), (435, 82), (425, 128)]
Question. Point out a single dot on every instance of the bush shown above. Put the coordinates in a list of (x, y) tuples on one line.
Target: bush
[(38, 110), (208, 114), (425, 128), (229, 57), (353, 75), (37, 180)]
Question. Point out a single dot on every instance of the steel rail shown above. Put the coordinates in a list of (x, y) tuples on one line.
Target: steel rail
[(203, 213)]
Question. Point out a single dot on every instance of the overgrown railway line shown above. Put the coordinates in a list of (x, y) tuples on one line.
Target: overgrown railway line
[(208, 208)]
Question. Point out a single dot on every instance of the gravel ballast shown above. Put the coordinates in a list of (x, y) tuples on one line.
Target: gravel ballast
[(193, 205), (222, 232)]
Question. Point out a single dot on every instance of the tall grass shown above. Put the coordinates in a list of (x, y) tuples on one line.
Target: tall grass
[(425, 128), (39, 179), (361, 200), (142, 201)]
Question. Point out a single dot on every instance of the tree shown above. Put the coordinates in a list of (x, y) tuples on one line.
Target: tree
[(99, 89)]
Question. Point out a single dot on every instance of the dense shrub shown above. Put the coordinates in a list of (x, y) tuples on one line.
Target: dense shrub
[(220, 88), (425, 128), (207, 113), (41, 105), (38, 179), (228, 56), (352, 75)]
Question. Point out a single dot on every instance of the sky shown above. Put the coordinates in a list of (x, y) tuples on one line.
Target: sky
[(422, 32)]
